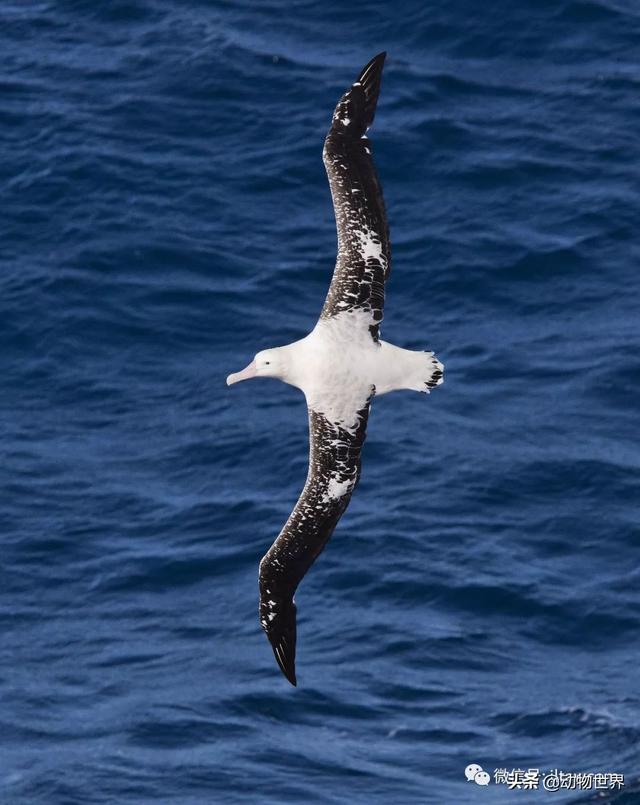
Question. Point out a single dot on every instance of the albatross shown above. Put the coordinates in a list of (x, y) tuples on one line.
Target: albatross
[(339, 366)]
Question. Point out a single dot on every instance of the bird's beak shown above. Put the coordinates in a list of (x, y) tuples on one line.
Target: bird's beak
[(245, 374)]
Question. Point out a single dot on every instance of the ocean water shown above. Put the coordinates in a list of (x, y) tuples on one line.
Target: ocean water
[(165, 214)]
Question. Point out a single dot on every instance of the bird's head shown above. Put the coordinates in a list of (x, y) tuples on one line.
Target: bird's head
[(268, 363)]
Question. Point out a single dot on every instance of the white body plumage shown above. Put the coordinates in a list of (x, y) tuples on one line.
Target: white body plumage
[(338, 364)]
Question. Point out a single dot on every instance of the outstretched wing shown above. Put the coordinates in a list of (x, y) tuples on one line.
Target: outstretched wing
[(364, 255), (334, 470)]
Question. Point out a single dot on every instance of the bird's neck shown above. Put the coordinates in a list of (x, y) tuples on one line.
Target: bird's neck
[(294, 363)]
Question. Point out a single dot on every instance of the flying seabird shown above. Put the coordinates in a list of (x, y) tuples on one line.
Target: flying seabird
[(340, 365)]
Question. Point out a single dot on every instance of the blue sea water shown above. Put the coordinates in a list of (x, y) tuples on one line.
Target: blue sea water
[(165, 214)]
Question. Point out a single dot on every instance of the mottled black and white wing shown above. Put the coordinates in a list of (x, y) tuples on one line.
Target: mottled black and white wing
[(364, 256), (334, 470)]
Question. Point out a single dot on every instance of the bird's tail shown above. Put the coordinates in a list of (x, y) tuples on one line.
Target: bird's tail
[(420, 371), (357, 107), (431, 375)]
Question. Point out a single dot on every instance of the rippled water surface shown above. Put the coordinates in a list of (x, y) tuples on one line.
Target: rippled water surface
[(165, 214)]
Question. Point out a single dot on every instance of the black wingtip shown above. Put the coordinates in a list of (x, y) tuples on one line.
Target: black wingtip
[(370, 79), (286, 661), (278, 619), (372, 68), (357, 107)]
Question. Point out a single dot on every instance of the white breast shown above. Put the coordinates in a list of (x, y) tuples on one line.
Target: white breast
[(335, 366)]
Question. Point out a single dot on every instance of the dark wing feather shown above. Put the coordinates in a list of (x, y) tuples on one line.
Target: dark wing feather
[(334, 467), (364, 255)]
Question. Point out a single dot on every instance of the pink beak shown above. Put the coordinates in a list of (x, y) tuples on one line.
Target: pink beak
[(245, 374)]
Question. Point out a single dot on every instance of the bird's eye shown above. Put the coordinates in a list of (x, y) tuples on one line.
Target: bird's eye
[(267, 363)]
